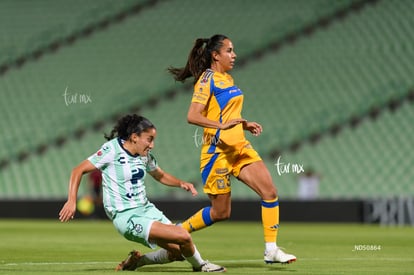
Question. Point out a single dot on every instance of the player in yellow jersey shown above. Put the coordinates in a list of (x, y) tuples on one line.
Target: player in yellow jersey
[(216, 106)]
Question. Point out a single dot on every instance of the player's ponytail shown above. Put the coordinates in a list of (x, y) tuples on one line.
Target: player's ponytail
[(199, 58), (128, 125)]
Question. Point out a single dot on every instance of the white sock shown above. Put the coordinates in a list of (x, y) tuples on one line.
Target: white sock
[(157, 257), (196, 259), (270, 246)]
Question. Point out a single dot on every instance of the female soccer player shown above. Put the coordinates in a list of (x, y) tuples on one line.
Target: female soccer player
[(216, 106), (124, 161)]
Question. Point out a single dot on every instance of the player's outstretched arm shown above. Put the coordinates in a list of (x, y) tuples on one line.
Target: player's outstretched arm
[(169, 180), (69, 208)]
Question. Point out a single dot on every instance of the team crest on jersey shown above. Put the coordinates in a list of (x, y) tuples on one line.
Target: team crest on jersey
[(220, 184), (134, 229), (139, 228)]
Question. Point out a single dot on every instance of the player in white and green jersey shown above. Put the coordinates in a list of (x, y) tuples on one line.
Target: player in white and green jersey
[(119, 166), (124, 162)]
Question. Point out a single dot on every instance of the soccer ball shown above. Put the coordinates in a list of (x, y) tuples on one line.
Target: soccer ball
[(85, 205)]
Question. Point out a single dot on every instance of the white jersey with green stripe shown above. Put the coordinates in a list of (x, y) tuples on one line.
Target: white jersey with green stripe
[(122, 176)]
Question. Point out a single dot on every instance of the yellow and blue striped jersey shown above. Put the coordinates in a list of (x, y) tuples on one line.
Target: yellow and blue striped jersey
[(223, 101)]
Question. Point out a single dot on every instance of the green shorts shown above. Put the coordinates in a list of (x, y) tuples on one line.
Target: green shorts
[(135, 224)]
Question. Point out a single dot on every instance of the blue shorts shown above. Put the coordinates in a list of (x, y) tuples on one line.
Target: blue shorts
[(135, 224)]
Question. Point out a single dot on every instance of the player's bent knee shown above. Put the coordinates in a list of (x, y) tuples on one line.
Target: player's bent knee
[(272, 195), (183, 237), (269, 193), (221, 216)]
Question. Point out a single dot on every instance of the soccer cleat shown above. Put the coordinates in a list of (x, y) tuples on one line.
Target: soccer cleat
[(278, 256), (131, 262), (209, 267)]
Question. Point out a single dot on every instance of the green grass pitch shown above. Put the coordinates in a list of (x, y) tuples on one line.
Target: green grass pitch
[(94, 247)]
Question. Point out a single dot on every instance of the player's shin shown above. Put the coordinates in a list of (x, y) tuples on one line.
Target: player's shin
[(157, 257), (198, 221), (270, 221)]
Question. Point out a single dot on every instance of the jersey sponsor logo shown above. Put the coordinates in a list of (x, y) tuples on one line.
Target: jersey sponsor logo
[(199, 95), (222, 170), (121, 160), (137, 174), (234, 91), (132, 194)]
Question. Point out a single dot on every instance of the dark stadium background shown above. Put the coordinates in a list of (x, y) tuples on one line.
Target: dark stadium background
[(330, 81)]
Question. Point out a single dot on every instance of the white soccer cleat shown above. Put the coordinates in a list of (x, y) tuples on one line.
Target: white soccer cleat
[(278, 256), (209, 267)]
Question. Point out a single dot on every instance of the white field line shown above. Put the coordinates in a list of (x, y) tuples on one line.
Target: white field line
[(57, 263), (362, 259)]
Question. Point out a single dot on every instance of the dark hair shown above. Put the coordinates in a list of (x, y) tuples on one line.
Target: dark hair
[(128, 125), (199, 58)]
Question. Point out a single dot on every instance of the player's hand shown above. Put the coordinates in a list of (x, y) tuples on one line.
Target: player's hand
[(189, 187), (68, 211), (232, 123), (253, 127)]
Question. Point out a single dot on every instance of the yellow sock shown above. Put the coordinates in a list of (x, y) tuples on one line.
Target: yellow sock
[(198, 221), (270, 219)]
